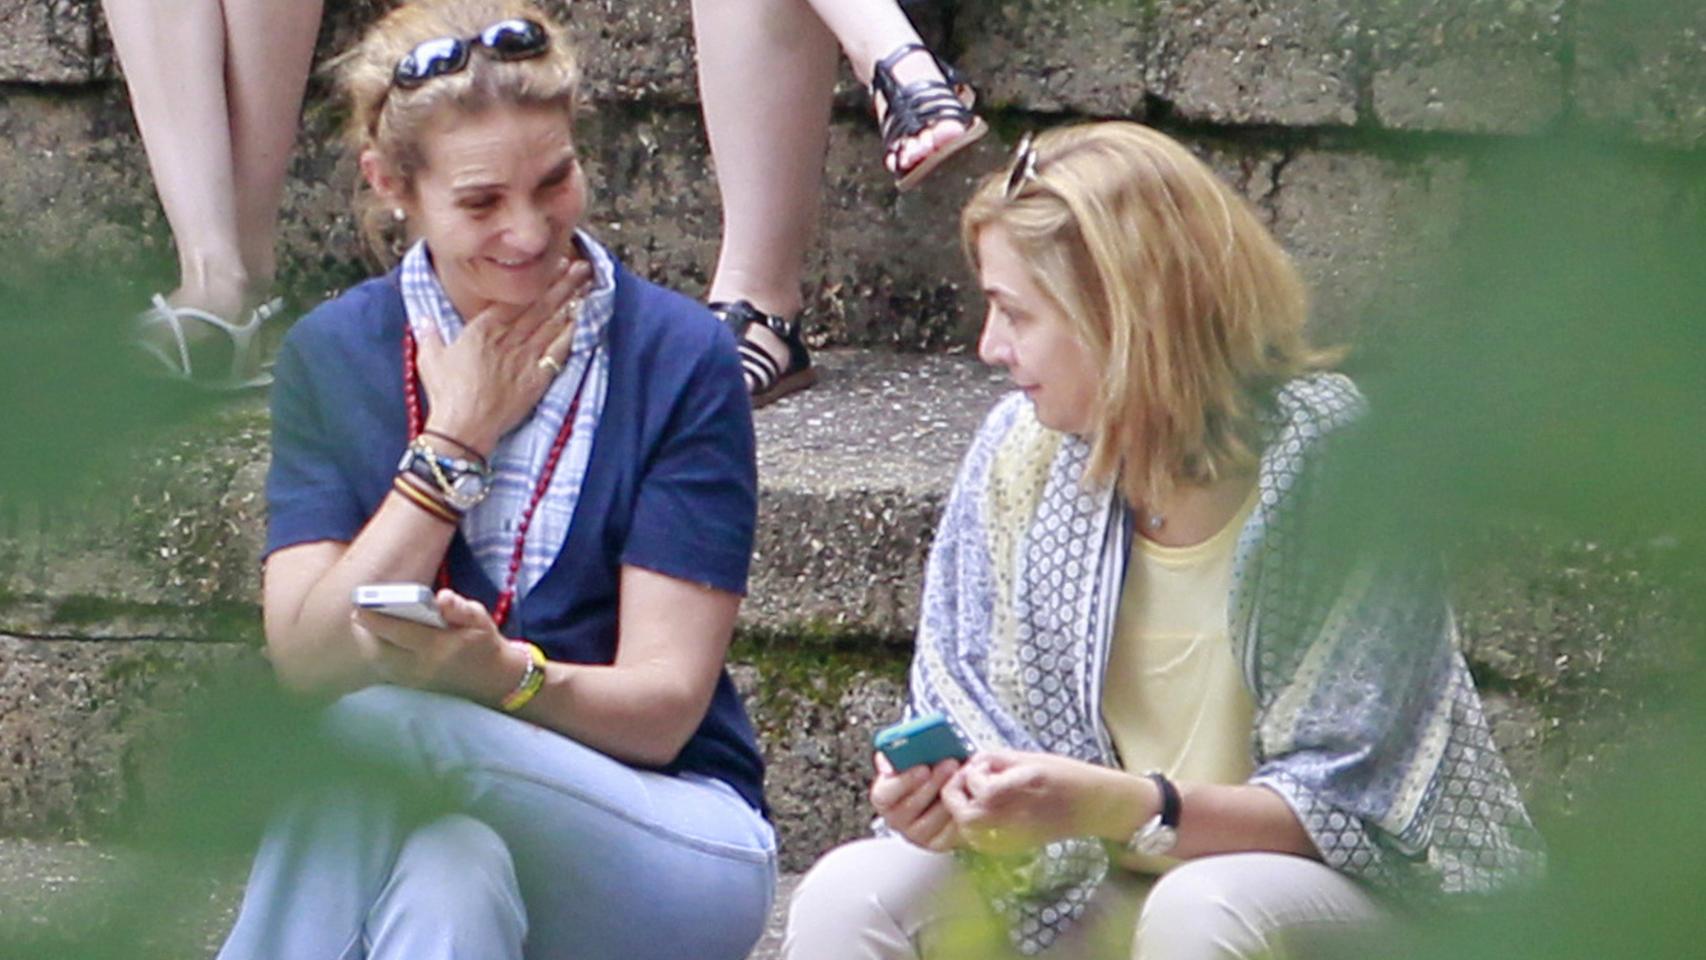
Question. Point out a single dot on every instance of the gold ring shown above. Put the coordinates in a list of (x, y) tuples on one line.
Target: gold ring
[(550, 365)]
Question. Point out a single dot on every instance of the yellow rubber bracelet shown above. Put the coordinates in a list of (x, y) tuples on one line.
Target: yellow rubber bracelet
[(531, 681)]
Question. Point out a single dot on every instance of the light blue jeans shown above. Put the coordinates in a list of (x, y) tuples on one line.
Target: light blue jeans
[(555, 851)]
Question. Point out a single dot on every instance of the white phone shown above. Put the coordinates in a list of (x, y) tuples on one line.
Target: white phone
[(405, 601)]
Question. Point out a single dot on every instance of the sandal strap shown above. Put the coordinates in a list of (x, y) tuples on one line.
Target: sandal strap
[(917, 106), (762, 370), (737, 315), (882, 72), (920, 106), (241, 335)]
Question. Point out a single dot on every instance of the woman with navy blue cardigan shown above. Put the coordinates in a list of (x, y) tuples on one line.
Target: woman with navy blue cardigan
[(565, 452)]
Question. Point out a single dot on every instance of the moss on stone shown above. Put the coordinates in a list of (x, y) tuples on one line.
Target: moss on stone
[(813, 664)]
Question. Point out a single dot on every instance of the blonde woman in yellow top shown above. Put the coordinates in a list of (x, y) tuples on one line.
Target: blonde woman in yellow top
[(1197, 725)]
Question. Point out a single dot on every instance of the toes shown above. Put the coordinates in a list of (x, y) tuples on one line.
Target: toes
[(915, 149)]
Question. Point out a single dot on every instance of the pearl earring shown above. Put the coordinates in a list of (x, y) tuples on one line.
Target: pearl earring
[(398, 215)]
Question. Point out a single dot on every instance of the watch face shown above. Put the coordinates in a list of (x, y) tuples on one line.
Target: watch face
[(467, 490), (1155, 840)]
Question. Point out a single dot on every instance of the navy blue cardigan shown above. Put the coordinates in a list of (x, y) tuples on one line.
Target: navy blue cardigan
[(671, 485)]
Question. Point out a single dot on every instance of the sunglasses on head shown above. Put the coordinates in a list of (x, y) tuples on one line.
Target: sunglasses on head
[(1024, 167), (505, 40)]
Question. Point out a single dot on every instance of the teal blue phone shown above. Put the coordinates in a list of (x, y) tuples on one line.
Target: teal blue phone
[(927, 739)]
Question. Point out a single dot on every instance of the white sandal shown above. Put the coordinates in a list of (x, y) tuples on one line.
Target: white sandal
[(242, 336)]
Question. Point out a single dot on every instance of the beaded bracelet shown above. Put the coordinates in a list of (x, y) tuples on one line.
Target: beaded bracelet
[(531, 681)]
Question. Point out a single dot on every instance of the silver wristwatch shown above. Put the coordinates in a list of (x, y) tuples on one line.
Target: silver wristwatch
[(463, 483)]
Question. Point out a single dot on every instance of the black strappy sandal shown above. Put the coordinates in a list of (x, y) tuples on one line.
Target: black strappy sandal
[(765, 380), (920, 105)]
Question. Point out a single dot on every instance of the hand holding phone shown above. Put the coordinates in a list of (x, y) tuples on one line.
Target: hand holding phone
[(912, 768), (929, 739), (405, 601)]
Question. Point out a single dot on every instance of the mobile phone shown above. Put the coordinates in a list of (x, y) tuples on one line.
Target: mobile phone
[(927, 739), (405, 601)]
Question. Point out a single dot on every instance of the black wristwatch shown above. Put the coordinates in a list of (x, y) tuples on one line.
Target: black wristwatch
[(1160, 833)]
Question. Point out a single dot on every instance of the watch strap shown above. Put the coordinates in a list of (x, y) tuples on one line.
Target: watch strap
[(1160, 833), (1171, 804)]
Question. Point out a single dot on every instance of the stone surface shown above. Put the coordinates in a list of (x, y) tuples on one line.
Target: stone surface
[(1363, 227), (171, 552), (1290, 62), (1468, 66), (815, 716), (853, 473), (78, 721), (887, 270), (1641, 68), (47, 41), (1078, 56), (75, 176), (634, 51), (1220, 61)]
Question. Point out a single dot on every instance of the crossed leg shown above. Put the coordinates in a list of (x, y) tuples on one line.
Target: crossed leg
[(216, 87)]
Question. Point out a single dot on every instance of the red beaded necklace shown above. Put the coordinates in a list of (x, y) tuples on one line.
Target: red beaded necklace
[(417, 423)]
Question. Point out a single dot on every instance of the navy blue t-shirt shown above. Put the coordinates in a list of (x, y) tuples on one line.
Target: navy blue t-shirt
[(671, 484)]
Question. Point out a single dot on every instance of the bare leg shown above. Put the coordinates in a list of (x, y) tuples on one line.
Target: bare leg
[(269, 47), (766, 71), (173, 54)]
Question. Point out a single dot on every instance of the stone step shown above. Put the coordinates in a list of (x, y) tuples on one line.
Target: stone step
[(58, 888), (1464, 66), (851, 474)]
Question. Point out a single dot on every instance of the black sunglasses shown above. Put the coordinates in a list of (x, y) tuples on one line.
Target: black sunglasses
[(504, 40)]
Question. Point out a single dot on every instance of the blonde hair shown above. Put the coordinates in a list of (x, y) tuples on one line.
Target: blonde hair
[(1170, 279), (392, 122)]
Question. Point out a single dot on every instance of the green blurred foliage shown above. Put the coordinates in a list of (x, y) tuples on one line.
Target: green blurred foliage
[(78, 396), (1553, 368)]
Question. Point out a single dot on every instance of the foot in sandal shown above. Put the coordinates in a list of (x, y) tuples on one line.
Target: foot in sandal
[(924, 109), (205, 349), (772, 355)]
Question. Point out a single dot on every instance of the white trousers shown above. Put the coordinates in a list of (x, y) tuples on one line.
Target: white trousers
[(885, 899)]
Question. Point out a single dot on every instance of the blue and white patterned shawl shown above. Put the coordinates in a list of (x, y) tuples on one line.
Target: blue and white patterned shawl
[(1366, 722), (520, 455)]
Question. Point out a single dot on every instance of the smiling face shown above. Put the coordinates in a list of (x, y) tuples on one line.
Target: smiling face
[(1026, 333), (498, 197)]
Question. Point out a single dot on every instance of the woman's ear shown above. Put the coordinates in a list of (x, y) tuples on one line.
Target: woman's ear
[(386, 182)]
